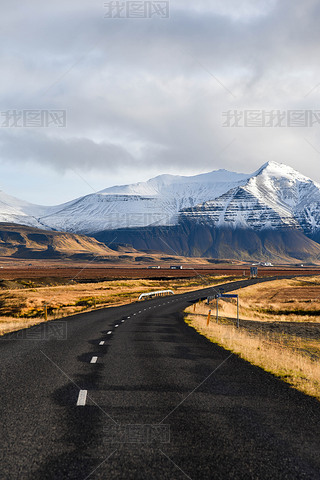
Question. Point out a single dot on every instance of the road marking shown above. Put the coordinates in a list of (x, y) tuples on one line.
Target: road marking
[(122, 321), (82, 398), (109, 333), (128, 317), (140, 311), (116, 326), (101, 343), (94, 360)]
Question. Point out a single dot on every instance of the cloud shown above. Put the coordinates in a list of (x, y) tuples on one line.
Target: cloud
[(64, 153), (149, 93)]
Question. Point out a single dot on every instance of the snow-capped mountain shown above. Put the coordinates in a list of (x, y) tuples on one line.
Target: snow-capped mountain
[(276, 196), (273, 197), (155, 202), (13, 210)]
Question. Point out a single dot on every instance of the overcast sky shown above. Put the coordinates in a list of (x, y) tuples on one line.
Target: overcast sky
[(146, 96)]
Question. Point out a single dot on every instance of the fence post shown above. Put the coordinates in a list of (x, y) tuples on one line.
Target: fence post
[(208, 319), (217, 309), (238, 311), (45, 312)]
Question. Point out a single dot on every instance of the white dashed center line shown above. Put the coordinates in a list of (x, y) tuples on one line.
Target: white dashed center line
[(109, 333), (94, 360), (101, 343), (116, 326), (122, 321), (82, 398)]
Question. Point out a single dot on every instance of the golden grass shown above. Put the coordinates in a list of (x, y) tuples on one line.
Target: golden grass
[(10, 324), (277, 354), (23, 307), (281, 300)]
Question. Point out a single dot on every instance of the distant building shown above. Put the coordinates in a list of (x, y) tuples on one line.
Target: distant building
[(176, 267), (154, 266)]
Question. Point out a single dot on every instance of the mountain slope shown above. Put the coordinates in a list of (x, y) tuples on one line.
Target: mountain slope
[(17, 211), (266, 217), (157, 201), (14, 210), (29, 242), (219, 214), (202, 240), (276, 196)]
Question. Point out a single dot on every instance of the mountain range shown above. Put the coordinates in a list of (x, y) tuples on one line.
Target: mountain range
[(248, 216)]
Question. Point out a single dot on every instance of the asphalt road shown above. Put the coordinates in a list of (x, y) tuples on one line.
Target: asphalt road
[(134, 393)]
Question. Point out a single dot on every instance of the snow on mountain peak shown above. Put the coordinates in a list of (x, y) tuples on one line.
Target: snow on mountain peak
[(155, 202), (164, 183), (274, 196), (276, 169)]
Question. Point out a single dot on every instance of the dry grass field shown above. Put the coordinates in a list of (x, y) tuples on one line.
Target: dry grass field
[(285, 300), (22, 302), (279, 329)]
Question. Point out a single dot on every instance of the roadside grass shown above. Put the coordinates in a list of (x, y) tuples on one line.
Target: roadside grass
[(282, 300), (23, 305), (294, 359), (10, 324)]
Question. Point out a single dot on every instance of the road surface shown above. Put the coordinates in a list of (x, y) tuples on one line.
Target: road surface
[(134, 393)]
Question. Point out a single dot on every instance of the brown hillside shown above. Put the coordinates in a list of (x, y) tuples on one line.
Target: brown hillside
[(19, 241)]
